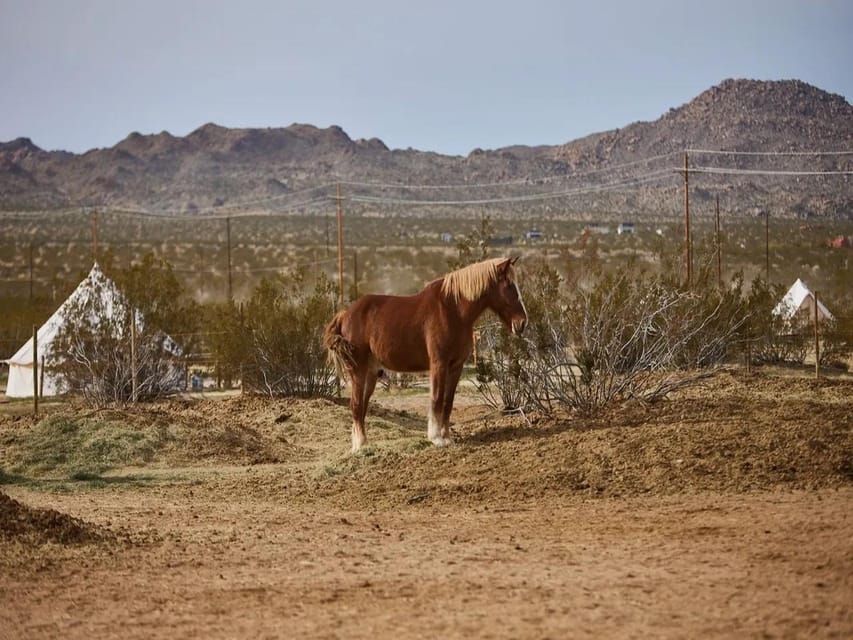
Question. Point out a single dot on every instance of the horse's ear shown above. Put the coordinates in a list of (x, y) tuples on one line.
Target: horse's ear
[(506, 264)]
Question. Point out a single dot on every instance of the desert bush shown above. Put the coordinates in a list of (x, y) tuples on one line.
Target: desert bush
[(836, 344), (772, 339), (282, 326), (95, 359), (622, 336), (226, 341), (93, 351)]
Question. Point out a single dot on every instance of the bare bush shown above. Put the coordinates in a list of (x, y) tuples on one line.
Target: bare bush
[(94, 356), (772, 338), (837, 338), (283, 325), (623, 336)]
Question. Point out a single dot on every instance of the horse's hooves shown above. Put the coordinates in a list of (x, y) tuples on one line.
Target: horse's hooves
[(442, 442)]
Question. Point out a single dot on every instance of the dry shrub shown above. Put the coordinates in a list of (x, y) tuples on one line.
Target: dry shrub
[(94, 357), (280, 344), (627, 335)]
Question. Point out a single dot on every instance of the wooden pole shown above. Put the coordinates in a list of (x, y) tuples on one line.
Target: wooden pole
[(718, 245), (767, 245), (31, 273), (688, 262), (95, 235), (228, 253), (340, 248), (134, 388), (355, 272), (35, 370), (816, 340)]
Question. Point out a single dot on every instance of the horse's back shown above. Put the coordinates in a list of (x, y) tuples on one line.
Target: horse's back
[(391, 329)]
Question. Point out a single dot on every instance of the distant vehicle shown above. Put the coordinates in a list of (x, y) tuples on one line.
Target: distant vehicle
[(533, 234), (625, 227)]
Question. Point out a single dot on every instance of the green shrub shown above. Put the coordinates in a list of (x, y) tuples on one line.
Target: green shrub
[(283, 326)]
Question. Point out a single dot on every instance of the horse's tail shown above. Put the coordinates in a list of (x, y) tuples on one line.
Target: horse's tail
[(339, 348)]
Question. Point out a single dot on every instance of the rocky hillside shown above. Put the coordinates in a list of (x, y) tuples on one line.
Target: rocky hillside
[(627, 171)]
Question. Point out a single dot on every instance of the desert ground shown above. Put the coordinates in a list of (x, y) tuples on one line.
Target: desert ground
[(724, 511)]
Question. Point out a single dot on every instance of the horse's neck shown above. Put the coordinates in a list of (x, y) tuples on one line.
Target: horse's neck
[(469, 310)]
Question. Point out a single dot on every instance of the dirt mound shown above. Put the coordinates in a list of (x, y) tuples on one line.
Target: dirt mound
[(37, 526), (736, 433), (74, 441)]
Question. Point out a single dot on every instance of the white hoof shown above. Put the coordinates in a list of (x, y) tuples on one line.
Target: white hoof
[(441, 442)]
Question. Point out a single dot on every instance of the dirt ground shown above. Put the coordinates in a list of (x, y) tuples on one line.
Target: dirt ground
[(722, 512)]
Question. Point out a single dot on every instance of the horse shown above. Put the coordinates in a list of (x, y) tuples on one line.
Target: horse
[(429, 331)]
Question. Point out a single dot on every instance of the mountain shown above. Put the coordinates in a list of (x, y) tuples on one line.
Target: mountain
[(630, 171)]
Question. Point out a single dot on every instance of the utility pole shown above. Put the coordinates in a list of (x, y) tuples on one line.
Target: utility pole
[(95, 235), (228, 253), (767, 244), (340, 247), (355, 272), (31, 273), (717, 242), (688, 258)]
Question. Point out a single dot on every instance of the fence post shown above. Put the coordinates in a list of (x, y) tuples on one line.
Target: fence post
[(816, 340), (134, 390), (35, 370)]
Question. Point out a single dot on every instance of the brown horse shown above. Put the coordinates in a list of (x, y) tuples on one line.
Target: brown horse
[(430, 331)]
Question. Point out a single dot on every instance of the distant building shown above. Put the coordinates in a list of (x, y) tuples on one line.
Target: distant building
[(533, 234), (625, 227), (447, 237)]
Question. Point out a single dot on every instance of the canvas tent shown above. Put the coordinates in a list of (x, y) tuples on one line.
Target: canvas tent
[(112, 302), (799, 302)]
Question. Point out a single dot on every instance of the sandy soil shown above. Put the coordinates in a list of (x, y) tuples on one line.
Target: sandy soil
[(725, 512)]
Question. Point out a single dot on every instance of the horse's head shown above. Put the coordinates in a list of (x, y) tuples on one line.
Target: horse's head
[(505, 298)]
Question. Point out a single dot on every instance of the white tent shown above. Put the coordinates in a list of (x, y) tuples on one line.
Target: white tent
[(20, 384), (800, 300)]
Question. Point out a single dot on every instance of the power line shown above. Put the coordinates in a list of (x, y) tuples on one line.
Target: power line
[(770, 153), (142, 213), (506, 183), (232, 210), (638, 180), (765, 172)]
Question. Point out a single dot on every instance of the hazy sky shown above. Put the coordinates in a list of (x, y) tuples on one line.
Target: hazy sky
[(436, 75)]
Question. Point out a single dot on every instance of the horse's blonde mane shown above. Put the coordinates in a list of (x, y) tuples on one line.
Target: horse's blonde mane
[(472, 281)]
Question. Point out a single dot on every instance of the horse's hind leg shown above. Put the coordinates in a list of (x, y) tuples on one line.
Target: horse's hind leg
[(363, 385), (356, 400)]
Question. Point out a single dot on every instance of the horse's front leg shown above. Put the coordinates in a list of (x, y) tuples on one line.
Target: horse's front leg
[(437, 385), (450, 385)]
